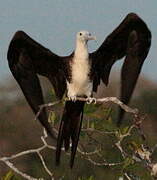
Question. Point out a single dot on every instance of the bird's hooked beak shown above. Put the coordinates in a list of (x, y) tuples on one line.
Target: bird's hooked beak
[(91, 37)]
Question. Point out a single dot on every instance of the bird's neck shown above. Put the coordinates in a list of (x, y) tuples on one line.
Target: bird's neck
[(81, 51)]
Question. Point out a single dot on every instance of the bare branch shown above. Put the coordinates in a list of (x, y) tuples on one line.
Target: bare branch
[(41, 107), (113, 100), (45, 166), (101, 164), (127, 176), (141, 154), (9, 164)]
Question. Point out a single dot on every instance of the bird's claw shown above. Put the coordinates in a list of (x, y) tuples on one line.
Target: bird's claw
[(90, 100), (72, 98)]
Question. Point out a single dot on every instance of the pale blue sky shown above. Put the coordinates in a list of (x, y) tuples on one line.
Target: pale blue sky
[(54, 24)]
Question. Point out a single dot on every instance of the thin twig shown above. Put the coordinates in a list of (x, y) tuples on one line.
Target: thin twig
[(44, 165), (15, 169), (84, 154), (41, 107), (127, 176), (101, 164)]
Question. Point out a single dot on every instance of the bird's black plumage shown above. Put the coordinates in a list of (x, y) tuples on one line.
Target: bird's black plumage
[(70, 129), (131, 39), (27, 59)]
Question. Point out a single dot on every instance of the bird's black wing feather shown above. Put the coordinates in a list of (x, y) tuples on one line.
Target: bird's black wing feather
[(132, 39), (26, 59), (70, 128)]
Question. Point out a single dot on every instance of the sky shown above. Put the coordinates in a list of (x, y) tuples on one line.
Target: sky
[(54, 24)]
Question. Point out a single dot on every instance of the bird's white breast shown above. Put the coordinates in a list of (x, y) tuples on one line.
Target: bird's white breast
[(80, 84)]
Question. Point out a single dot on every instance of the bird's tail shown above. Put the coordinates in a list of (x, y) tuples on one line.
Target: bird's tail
[(70, 127)]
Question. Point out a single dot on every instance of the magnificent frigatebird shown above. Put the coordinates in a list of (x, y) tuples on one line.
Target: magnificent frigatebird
[(78, 74)]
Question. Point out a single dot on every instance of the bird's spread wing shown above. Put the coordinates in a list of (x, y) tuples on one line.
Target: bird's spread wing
[(26, 59), (132, 39)]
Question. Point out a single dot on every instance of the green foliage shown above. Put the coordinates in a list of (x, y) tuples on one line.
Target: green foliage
[(127, 162), (87, 178), (9, 176), (96, 117), (147, 101), (103, 136), (52, 118)]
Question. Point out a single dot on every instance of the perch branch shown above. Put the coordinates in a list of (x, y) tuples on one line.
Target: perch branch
[(86, 155)]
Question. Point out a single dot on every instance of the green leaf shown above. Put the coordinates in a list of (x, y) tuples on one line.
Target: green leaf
[(88, 178), (128, 161), (9, 176), (91, 178), (118, 133), (125, 130), (92, 125), (52, 117), (90, 109)]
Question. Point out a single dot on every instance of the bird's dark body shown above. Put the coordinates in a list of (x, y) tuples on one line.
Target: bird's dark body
[(27, 59)]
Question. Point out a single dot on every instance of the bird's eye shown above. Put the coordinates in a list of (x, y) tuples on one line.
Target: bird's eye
[(80, 34), (89, 34)]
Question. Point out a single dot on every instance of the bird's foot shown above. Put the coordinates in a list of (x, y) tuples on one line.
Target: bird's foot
[(90, 100), (72, 98)]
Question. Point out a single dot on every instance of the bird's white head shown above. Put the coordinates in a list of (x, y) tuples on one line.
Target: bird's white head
[(85, 36)]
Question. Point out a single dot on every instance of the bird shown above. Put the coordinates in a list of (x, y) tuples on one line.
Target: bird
[(78, 74)]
